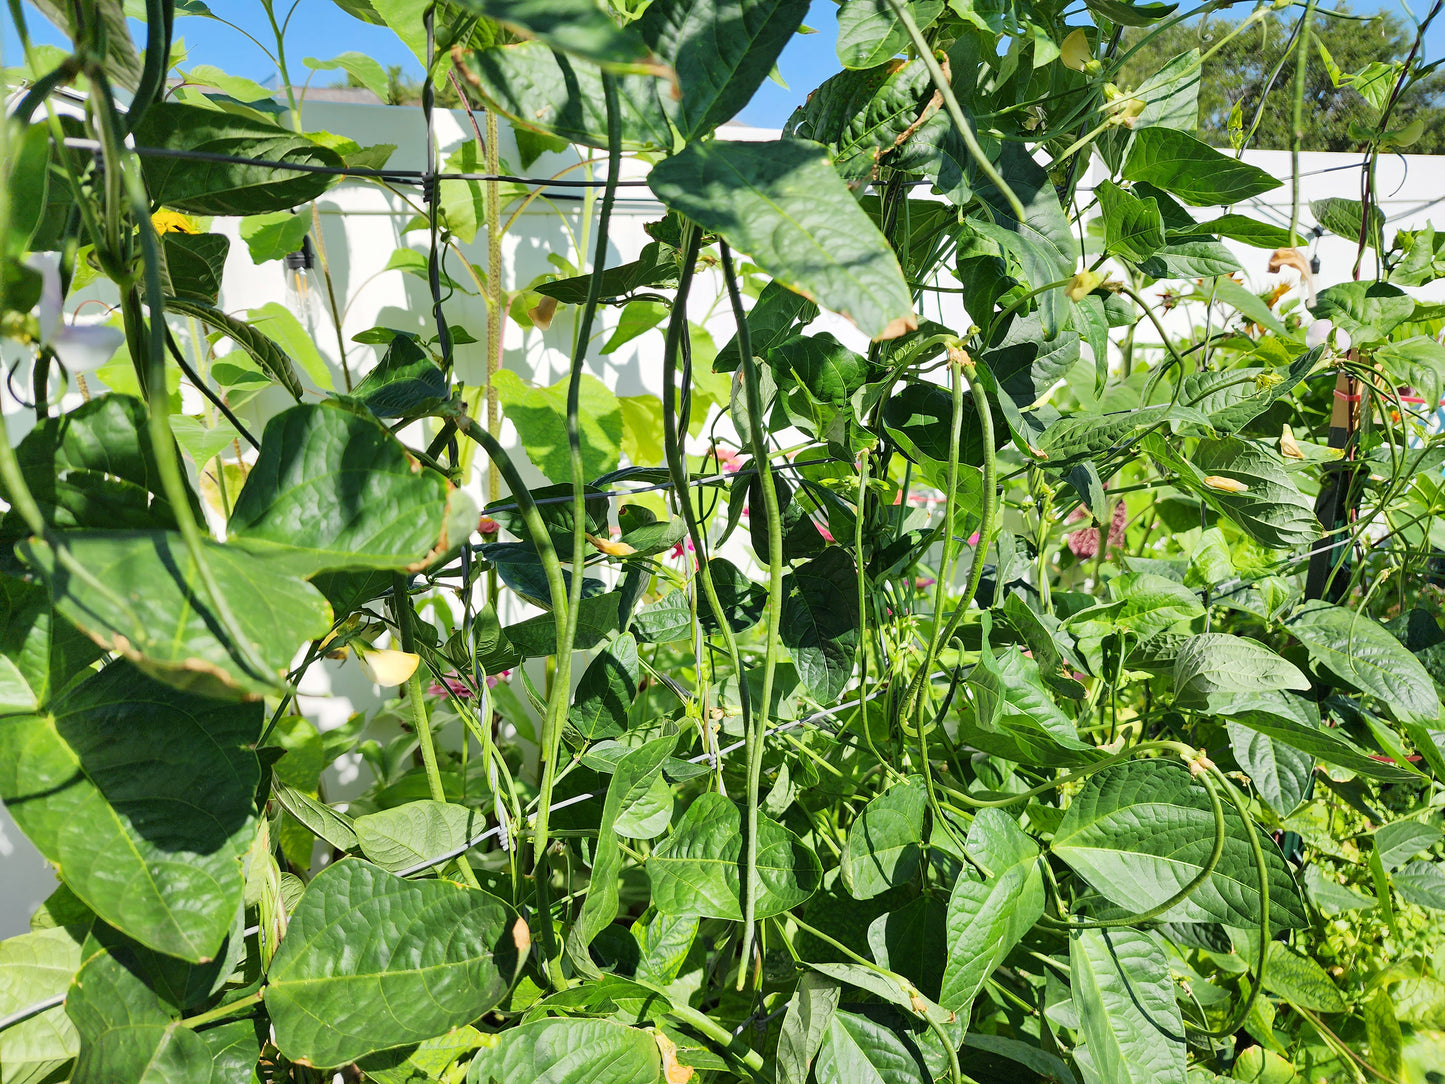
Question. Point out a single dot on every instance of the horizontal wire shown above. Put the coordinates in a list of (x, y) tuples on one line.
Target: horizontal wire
[(707, 479), (394, 176), (31, 1010)]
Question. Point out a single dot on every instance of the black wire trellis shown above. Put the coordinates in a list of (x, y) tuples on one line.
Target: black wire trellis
[(418, 177)]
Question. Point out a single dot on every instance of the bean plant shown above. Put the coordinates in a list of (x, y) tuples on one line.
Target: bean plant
[(1036, 676)]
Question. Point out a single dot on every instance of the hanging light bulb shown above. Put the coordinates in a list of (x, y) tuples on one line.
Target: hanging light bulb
[(301, 292)]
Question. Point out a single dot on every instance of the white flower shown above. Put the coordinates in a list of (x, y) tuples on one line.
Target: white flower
[(82, 346), (1319, 334)]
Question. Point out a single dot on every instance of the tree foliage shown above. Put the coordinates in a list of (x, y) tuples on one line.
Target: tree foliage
[(1254, 71)]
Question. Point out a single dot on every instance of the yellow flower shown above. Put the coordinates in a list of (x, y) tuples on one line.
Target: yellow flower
[(1076, 52), (1288, 446), (612, 549), (173, 222), (1083, 284), (1225, 485), (386, 666)]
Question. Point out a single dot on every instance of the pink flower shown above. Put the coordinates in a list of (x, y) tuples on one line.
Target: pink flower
[(827, 534), (451, 683), (488, 526), (923, 583), (728, 459), (492, 679), (1085, 543)]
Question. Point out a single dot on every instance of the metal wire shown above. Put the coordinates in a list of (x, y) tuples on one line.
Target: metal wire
[(708, 479), (394, 176)]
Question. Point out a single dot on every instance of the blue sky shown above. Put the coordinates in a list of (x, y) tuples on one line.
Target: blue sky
[(321, 29)]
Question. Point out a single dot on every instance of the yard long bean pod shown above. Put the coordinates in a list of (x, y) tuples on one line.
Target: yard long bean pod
[(762, 459)]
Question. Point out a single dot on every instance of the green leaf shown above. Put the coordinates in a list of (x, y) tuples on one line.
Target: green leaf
[(1191, 258), (634, 775), (275, 235), (335, 827), (332, 489), (861, 1050), (194, 263), (1078, 437), (1280, 773), (1043, 243), (1401, 841), (94, 467), (861, 116), (337, 992), (820, 622), (154, 616), (605, 693), (1369, 311), (121, 62), (825, 367), (1127, 14), (540, 415), (262, 349), (773, 319), (1014, 717), (1299, 980), (869, 33), (1360, 652), (698, 870), (569, 1051), (1382, 1031), (578, 27), (784, 205), (366, 69), (810, 1010), (1233, 397), (1343, 218), (216, 188), (913, 939), (1194, 171), (1047, 1066), (665, 621), (33, 967), (1217, 662), (539, 89), (1270, 508), (1141, 831), (1247, 231), (987, 918), (1295, 721), (143, 796), (885, 843), (597, 618), (722, 51), (636, 318), (742, 600), (126, 1031), (407, 835), (1131, 1024), (406, 384), (1421, 883), (1133, 227)]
